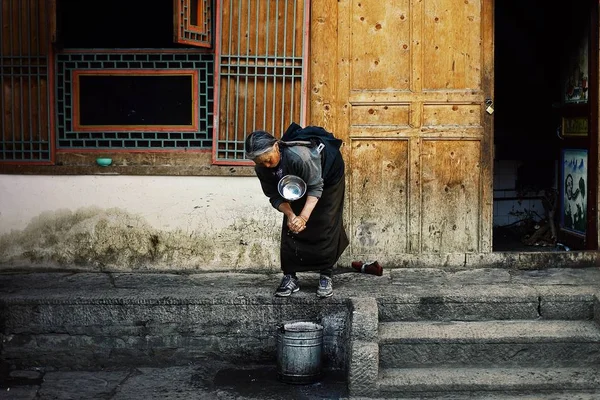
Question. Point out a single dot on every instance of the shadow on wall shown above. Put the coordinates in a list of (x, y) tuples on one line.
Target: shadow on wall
[(95, 239)]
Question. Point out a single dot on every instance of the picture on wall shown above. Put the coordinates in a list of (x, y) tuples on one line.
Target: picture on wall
[(575, 62), (574, 165)]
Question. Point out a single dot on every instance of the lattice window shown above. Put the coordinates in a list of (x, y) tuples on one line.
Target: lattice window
[(261, 71), (104, 101), (24, 123), (193, 22)]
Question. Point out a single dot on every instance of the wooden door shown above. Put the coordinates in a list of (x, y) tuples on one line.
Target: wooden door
[(578, 128), (413, 79)]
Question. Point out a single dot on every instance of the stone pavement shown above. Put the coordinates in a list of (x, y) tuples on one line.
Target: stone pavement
[(216, 379), (194, 382), (198, 383)]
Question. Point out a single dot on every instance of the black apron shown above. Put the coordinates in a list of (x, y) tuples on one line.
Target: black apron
[(320, 245)]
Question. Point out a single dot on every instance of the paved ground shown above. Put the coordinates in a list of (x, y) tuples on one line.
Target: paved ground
[(200, 383), (183, 383), (217, 380)]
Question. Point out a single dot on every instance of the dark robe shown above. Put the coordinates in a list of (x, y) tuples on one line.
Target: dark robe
[(323, 241)]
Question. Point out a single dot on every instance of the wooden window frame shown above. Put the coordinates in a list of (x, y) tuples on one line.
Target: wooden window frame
[(77, 126), (229, 131), (160, 161), (184, 32)]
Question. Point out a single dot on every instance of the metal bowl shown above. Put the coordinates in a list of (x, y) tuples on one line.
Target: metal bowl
[(291, 187)]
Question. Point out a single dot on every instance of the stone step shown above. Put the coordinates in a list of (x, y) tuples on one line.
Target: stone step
[(487, 302), (471, 395), (418, 382), (539, 343), (157, 321)]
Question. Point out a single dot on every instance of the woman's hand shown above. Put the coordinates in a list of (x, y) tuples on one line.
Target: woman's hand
[(296, 224)]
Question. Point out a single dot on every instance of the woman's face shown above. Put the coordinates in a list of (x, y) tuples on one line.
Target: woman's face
[(270, 159)]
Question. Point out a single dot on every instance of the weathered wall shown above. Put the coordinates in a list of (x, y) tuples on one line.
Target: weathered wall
[(122, 223), (179, 224)]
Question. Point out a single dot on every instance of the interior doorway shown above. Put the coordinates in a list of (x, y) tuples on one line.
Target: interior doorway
[(545, 126)]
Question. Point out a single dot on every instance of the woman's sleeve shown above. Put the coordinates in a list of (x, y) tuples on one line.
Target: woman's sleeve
[(270, 190)]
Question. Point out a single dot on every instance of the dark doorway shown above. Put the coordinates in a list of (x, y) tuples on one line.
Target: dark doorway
[(538, 65)]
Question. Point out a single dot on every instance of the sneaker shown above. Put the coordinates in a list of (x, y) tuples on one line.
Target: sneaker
[(288, 285), (325, 288)]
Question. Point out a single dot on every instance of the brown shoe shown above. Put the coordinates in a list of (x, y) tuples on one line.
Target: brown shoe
[(372, 268)]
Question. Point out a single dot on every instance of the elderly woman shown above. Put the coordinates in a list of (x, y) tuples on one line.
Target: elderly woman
[(312, 233)]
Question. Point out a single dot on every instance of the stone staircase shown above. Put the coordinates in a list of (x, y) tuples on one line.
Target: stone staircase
[(531, 356), (486, 334), (460, 339)]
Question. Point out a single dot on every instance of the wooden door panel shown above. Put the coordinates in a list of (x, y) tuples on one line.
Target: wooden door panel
[(379, 177), (413, 78), (377, 25), (451, 117), (450, 185), (373, 115), (451, 43)]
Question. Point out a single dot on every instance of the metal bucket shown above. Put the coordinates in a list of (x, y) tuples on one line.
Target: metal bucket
[(299, 350)]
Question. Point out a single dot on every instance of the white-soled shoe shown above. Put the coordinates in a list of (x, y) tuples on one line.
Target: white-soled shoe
[(325, 288), (288, 285)]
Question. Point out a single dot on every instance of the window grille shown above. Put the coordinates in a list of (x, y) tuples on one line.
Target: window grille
[(74, 134), (193, 22), (24, 123), (261, 71)]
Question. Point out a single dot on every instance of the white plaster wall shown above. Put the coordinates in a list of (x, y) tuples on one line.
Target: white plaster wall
[(165, 202), (209, 223)]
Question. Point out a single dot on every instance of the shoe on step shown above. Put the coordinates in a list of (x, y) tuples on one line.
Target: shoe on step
[(288, 285), (325, 288)]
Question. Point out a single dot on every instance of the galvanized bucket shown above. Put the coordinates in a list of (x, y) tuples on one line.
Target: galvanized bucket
[(299, 350)]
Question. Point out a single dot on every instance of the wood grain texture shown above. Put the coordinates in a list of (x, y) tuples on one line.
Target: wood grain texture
[(412, 81)]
